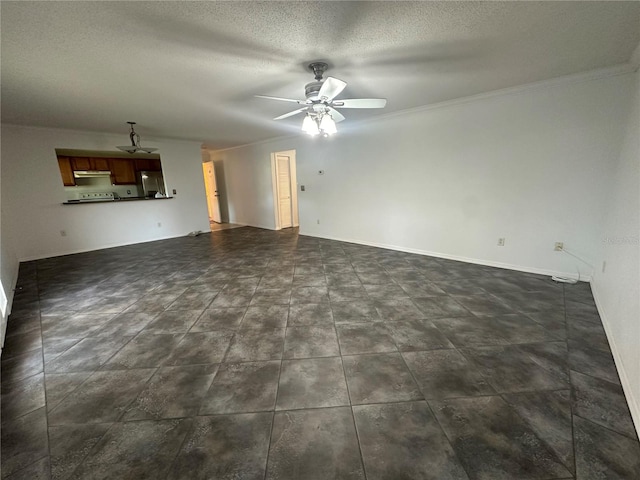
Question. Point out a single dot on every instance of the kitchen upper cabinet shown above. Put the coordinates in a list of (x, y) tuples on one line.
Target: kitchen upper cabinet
[(90, 163), (98, 163), (122, 171), (66, 171), (148, 165)]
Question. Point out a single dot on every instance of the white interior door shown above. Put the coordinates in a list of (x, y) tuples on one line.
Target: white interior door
[(213, 203), (283, 173)]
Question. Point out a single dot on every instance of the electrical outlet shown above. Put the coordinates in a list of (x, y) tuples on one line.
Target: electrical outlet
[(559, 246), (501, 242), (174, 191), (159, 224), (63, 233), (302, 189)]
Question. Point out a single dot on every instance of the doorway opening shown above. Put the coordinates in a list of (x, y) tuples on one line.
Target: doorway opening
[(211, 189), (285, 189)]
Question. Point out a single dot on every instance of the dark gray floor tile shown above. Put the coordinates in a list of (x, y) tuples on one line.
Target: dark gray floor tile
[(552, 320), (309, 281), (593, 362), (231, 299), (70, 444), (59, 385), (398, 309), (552, 356), (601, 402), (589, 334), (314, 444), (87, 355), (533, 301), (255, 345), (342, 279), (374, 277), (271, 296), (100, 399), (509, 369), (440, 306), (310, 314), (266, 316), (200, 348), (549, 415), (225, 447), (520, 329), (311, 341), (604, 454), (379, 378), (243, 387), (483, 304), (413, 335), (421, 289), (172, 392), (143, 351), (446, 374), (365, 338), (404, 440), (54, 346), (579, 292), (278, 280), (309, 270), (192, 300), (173, 321), (21, 366), (346, 293), (24, 440), (215, 318), (311, 383), (311, 294), (140, 449), (462, 286), (470, 331), (354, 311), (39, 470), (493, 442), (75, 326), (110, 304), (338, 267), (583, 311), (22, 343), (153, 303), (22, 396), (125, 324), (388, 291)]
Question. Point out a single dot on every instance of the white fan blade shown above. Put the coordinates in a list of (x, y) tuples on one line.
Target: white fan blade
[(301, 102), (291, 114), (331, 88), (361, 103), (336, 115)]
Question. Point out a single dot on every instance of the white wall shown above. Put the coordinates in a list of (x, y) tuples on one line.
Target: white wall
[(32, 196), (527, 165), (617, 289)]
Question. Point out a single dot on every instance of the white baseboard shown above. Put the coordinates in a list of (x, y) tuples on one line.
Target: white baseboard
[(634, 403), (459, 258)]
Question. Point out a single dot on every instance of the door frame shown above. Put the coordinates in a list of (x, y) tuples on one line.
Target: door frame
[(294, 188)]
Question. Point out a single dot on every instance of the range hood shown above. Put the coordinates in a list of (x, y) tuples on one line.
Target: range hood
[(91, 173)]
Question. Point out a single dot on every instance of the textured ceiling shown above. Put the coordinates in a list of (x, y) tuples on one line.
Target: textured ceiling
[(190, 69)]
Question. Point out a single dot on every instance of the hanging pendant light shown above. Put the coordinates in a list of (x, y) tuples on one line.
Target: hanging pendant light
[(135, 143)]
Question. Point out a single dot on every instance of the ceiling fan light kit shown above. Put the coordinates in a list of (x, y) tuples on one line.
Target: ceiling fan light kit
[(135, 143), (320, 105)]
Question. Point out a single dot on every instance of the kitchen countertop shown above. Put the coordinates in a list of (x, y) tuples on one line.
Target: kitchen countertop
[(113, 200)]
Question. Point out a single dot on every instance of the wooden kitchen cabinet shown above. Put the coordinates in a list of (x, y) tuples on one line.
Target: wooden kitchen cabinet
[(90, 163), (66, 171), (148, 165), (81, 163), (122, 171), (98, 163)]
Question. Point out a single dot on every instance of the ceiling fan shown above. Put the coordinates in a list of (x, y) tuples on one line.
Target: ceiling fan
[(320, 105)]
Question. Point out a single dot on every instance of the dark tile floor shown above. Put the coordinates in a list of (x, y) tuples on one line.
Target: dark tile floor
[(252, 354)]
